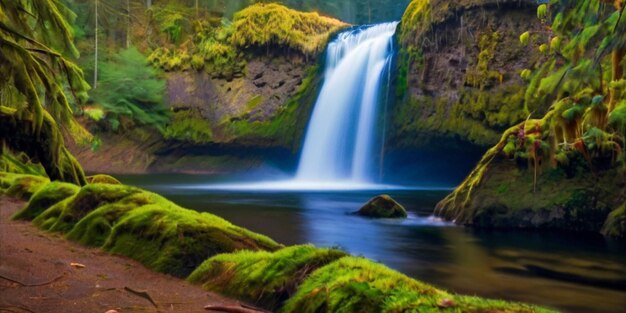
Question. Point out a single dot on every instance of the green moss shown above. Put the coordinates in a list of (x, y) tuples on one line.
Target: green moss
[(143, 226), (21, 185), (264, 278), (44, 198), (478, 115), (189, 126), (615, 225), (62, 216), (103, 179), (19, 163), (268, 25), (359, 285)]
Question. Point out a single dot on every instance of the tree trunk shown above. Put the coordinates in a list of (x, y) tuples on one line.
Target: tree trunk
[(95, 65), (148, 4), (128, 24), (618, 73)]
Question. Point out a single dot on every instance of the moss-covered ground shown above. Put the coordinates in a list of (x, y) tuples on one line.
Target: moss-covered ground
[(132, 222)]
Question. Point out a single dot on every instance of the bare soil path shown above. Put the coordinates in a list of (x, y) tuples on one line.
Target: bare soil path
[(37, 275)]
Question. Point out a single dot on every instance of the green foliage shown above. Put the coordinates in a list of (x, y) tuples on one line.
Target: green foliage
[(129, 87), (142, 225), (189, 126), (269, 25), (261, 277)]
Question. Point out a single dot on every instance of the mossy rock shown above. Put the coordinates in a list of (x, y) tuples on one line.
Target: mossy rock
[(264, 278), (21, 185), (358, 285), (102, 179), (141, 225), (63, 216), (382, 207), (44, 198)]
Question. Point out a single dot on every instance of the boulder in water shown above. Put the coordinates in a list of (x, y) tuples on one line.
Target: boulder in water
[(382, 207)]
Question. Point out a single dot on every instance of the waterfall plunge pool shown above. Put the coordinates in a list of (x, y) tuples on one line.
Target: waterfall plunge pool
[(577, 272)]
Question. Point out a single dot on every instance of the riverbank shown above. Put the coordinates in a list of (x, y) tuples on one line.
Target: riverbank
[(36, 275)]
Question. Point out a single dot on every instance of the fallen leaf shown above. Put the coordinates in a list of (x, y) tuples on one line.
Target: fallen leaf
[(77, 265), (445, 303)]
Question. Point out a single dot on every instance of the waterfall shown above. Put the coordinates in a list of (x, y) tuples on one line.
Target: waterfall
[(341, 138)]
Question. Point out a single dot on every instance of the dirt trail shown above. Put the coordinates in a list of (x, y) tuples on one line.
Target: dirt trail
[(37, 276)]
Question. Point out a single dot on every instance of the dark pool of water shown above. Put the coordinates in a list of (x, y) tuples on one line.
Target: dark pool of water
[(570, 272)]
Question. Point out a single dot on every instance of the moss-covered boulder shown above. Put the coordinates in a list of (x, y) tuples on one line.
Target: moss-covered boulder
[(359, 285), (459, 70), (382, 207), (141, 225), (21, 186), (264, 278)]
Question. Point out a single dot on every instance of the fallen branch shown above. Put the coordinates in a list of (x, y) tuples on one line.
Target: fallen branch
[(8, 308), (143, 294), (241, 308), (31, 285)]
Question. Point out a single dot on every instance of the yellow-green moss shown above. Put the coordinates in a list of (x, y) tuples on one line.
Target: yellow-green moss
[(21, 185), (44, 198), (359, 285), (189, 126), (103, 179), (264, 278), (262, 25), (144, 226)]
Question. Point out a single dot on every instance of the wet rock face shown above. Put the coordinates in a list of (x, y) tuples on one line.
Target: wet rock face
[(256, 96), (382, 207), (462, 71)]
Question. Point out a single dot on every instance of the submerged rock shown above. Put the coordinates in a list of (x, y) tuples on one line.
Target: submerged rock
[(382, 207)]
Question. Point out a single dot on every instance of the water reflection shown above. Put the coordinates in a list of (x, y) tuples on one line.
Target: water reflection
[(574, 273)]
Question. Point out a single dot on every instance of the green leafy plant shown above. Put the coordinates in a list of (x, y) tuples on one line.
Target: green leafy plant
[(130, 87)]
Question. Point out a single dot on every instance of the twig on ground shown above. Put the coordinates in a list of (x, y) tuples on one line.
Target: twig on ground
[(141, 293), (31, 285)]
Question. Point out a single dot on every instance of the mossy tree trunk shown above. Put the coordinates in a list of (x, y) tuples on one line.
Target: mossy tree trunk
[(44, 146)]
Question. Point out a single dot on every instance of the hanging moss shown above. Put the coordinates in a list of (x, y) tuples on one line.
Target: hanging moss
[(264, 278), (47, 147)]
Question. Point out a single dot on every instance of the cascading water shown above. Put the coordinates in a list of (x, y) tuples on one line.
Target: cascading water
[(340, 143)]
